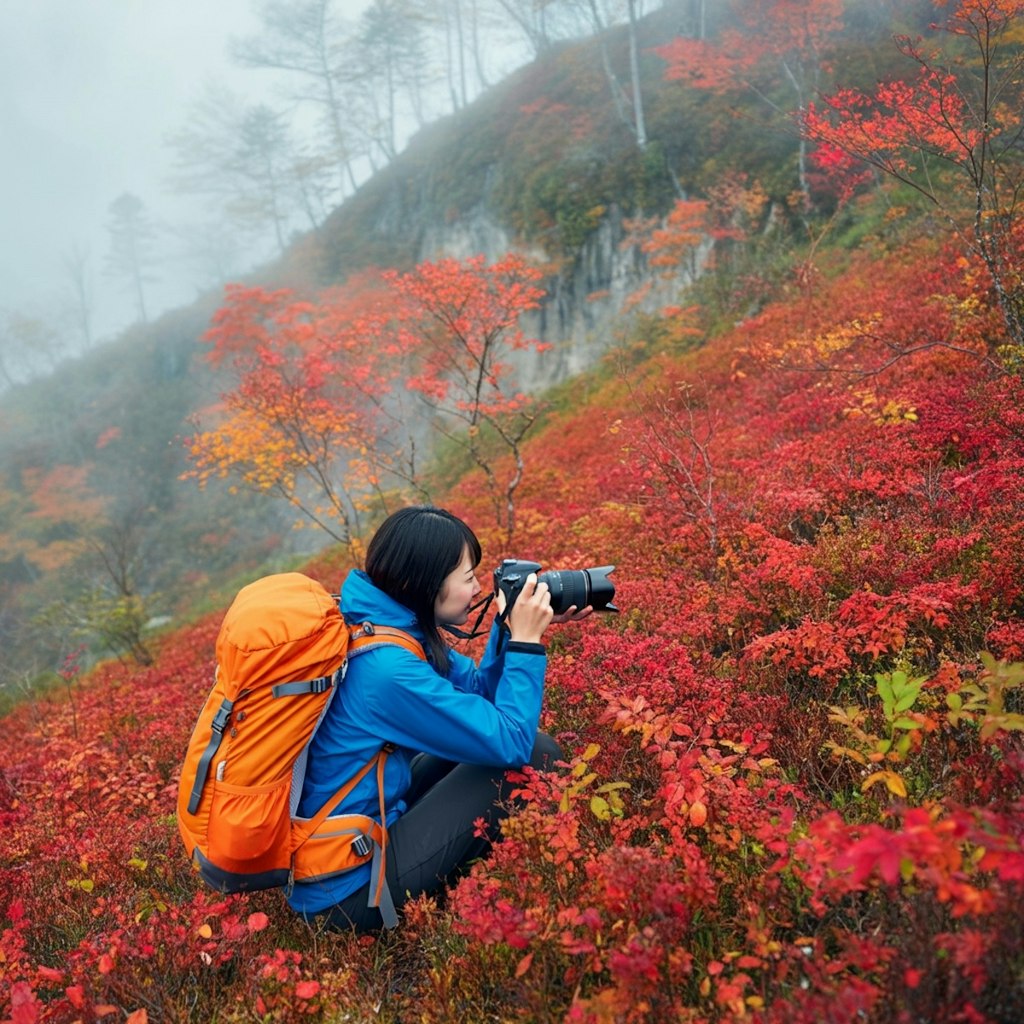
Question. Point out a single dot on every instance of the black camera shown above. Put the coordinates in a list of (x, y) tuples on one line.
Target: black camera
[(568, 587)]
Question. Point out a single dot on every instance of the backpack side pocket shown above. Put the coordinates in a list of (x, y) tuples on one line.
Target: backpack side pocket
[(250, 826)]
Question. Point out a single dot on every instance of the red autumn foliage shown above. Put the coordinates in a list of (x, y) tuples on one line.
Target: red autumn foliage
[(791, 33), (950, 128)]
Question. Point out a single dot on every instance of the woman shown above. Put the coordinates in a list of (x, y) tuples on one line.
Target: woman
[(455, 726)]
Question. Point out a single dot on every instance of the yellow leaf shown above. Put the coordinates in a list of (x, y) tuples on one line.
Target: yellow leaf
[(611, 787), (205, 931), (892, 781)]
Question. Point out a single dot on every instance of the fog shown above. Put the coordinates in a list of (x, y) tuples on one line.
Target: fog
[(90, 90)]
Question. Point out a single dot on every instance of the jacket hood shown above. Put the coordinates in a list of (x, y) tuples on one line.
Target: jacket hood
[(362, 601)]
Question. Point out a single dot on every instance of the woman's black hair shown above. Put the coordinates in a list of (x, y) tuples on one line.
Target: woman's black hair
[(410, 556)]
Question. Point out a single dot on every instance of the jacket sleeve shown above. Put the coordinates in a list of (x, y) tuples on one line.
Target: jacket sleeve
[(413, 706), (465, 674)]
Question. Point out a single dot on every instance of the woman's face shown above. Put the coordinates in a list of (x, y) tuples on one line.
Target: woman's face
[(458, 592)]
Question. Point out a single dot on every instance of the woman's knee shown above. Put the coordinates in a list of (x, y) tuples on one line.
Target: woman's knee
[(545, 753)]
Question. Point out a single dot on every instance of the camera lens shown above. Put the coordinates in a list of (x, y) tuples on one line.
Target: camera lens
[(580, 587)]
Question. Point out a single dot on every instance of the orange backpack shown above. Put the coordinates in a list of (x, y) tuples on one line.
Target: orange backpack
[(282, 651)]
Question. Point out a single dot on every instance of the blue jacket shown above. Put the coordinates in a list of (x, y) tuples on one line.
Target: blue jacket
[(479, 714)]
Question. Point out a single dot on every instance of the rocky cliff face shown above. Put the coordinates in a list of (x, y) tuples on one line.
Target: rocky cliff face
[(588, 301)]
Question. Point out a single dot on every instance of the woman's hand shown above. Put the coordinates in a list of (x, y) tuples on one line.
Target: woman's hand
[(571, 615), (532, 613)]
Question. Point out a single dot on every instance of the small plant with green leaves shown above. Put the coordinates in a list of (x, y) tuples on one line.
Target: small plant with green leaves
[(985, 702), (898, 693)]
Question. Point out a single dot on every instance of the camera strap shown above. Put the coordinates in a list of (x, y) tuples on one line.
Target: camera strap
[(483, 604)]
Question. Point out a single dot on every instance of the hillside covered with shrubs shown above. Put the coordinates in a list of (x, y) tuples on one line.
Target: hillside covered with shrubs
[(794, 787)]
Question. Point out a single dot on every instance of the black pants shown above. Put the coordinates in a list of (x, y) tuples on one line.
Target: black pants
[(435, 839)]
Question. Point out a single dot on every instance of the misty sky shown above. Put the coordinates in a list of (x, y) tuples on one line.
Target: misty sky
[(89, 92)]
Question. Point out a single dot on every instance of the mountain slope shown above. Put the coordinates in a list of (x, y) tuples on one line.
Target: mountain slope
[(797, 791), (90, 460)]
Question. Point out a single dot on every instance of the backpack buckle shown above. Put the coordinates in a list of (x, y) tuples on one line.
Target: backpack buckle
[(362, 845), (321, 685), (363, 629)]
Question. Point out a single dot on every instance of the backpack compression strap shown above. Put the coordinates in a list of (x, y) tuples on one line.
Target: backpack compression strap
[(217, 727), (307, 686)]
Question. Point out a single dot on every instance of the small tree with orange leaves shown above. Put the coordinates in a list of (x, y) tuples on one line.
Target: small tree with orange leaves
[(321, 414), (305, 419), (700, 236), (462, 322)]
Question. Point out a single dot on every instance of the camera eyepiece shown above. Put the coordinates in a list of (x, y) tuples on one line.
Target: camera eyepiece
[(568, 587)]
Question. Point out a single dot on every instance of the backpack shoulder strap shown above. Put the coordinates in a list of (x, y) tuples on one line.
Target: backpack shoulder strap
[(304, 832), (367, 636), (362, 638)]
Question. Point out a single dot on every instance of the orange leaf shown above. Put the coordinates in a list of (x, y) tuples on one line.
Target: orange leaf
[(524, 965), (698, 813)]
